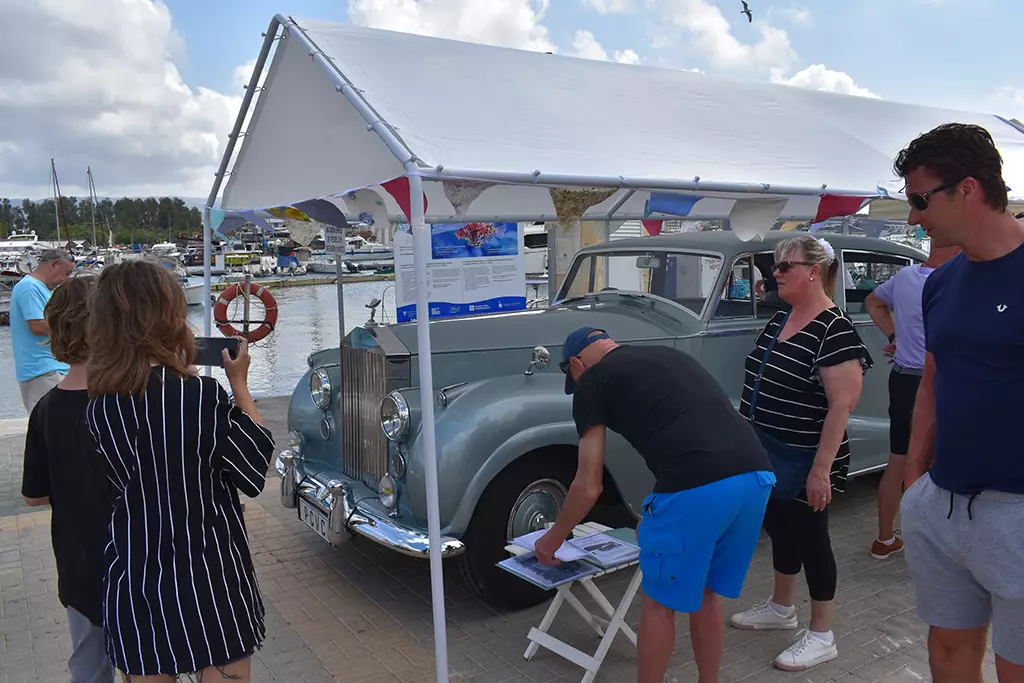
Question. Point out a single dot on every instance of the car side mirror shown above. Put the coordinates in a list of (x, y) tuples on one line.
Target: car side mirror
[(541, 359)]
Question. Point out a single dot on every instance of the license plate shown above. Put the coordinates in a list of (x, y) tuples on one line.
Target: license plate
[(313, 518)]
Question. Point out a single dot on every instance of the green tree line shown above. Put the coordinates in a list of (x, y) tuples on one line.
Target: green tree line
[(130, 220)]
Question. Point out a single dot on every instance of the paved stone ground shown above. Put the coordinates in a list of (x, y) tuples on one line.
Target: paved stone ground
[(359, 614)]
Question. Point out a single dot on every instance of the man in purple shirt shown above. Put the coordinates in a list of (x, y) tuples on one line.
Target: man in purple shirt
[(900, 295)]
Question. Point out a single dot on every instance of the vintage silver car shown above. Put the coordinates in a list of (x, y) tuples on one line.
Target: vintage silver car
[(506, 443)]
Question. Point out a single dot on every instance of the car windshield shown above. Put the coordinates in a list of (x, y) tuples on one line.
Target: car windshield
[(686, 278)]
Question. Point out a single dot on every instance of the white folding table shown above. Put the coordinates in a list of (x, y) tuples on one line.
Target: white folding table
[(607, 625)]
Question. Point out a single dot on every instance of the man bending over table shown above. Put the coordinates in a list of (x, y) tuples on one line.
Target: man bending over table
[(712, 481)]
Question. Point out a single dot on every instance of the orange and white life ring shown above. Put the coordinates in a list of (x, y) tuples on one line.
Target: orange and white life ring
[(220, 312)]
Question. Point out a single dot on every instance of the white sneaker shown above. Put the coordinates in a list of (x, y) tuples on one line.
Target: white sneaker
[(763, 617), (806, 651)]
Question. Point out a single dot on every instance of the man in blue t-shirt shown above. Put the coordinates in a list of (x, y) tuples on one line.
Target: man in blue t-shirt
[(36, 369), (964, 507)]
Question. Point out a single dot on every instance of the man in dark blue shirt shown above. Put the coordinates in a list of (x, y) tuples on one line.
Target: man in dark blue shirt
[(962, 522)]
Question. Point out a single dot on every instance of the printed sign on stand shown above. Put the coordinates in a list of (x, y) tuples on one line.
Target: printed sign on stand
[(474, 268), (334, 239)]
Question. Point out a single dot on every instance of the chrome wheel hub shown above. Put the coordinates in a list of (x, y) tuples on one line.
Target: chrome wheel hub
[(537, 505)]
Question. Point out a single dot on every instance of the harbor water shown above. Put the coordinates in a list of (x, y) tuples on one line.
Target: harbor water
[(307, 322)]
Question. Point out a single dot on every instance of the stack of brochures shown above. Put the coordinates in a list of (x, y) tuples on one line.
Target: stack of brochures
[(579, 558)]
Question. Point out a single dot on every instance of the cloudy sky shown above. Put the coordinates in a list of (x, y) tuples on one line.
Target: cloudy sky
[(146, 91)]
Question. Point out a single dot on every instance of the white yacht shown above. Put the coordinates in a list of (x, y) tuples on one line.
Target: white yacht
[(360, 249), (16, 250)]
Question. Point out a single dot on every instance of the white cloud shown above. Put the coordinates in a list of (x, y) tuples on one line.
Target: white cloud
[(585, 45), (242, 73), (508, 23), (712, 35), (1011, 96), (797, 15), (627, 57), (92, 83), (610, 6), (817, 77)]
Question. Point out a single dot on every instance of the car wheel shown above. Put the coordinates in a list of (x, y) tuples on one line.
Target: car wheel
[(526, 495)]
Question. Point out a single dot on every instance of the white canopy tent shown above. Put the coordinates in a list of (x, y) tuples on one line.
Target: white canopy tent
[(483, 133)]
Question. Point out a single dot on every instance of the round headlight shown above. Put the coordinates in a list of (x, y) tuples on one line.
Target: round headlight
[(388, 492), (394, 416), (320, 389)]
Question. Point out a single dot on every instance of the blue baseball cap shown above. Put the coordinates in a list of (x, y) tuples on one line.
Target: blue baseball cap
[(573, 346)]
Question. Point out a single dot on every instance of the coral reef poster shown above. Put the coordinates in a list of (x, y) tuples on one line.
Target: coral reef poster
[(474, 268)]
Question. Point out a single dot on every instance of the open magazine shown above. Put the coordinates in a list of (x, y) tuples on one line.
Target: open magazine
[(579, 557)]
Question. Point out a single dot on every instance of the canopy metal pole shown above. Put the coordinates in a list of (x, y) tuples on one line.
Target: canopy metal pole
[(250, 91), (421, 248), (339, 269), (207, 284)]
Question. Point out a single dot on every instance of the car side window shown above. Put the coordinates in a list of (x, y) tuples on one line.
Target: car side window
[(746, 294), (863, 272)]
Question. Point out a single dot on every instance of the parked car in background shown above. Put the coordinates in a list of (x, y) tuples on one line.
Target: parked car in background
[(506, 442)]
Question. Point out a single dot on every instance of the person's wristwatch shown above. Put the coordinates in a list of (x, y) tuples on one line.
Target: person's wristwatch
[(892, 338)]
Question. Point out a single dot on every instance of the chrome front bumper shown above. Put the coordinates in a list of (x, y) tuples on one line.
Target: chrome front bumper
[(337, 499)]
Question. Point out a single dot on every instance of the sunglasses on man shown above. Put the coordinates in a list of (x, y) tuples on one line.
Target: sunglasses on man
[(919, 200)]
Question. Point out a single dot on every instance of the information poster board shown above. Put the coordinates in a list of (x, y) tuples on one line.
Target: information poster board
[(473, 268)]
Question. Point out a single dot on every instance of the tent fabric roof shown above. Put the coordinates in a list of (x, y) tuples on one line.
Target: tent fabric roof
[(493, 111)]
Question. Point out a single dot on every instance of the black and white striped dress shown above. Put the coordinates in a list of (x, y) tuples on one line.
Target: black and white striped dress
[(791, 403), (181, 593)]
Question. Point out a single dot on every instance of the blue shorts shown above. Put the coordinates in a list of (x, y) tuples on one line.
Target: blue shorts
[(701, 538)]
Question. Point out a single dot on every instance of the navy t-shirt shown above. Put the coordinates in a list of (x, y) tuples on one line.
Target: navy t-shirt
[(974, 329)]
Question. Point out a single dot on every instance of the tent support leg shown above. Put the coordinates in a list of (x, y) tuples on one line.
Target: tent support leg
[(421, 248)]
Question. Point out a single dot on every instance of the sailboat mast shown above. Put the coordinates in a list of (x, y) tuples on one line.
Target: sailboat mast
[(92, 204), (56, 196)]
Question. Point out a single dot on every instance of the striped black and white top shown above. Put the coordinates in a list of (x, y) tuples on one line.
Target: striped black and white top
[(181, 593), (791, 403)]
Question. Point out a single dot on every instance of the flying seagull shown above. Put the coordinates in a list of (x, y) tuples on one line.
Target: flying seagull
[(746, 10)]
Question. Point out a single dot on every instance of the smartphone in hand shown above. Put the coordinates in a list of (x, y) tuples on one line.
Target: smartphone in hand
[(208, 350)]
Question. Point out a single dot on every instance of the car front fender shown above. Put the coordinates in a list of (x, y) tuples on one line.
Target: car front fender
[(480, 429)]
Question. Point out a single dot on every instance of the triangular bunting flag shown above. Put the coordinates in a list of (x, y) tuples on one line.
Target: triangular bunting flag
[(835, 205), (462, 193), (399, 189), (653, 227), (671, 203), (571, 204)]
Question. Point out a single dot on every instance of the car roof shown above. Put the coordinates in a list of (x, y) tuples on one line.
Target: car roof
[(727, 242)]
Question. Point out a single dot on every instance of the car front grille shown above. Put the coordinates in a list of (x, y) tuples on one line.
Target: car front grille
[(363, 386)]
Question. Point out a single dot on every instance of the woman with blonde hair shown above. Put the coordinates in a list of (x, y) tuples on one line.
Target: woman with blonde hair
[(181, 593), (803, 380)]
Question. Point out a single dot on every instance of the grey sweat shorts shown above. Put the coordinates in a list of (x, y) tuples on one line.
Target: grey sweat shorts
[(967, 561)]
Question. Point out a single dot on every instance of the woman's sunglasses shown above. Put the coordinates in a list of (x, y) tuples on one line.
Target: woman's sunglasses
[(564, 366), (784, 266), (919, 200)]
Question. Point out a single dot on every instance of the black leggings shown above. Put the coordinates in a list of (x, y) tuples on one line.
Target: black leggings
[(800, 540)]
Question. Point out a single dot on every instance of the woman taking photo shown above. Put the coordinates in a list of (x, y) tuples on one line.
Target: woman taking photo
[(803, 380), (181, 593)]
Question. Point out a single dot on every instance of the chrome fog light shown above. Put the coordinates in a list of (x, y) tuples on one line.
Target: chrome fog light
[(397, 464), (388, 492), (326, 428), (320, 389), (394, 416)]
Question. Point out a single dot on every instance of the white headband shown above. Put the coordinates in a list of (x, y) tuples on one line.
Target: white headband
[(829, 251)]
